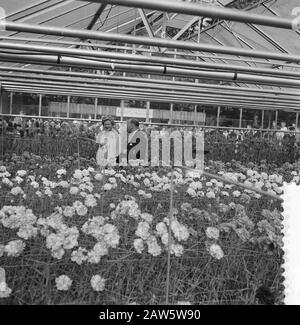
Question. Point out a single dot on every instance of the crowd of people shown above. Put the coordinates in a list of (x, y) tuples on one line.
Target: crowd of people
[(34, 127)]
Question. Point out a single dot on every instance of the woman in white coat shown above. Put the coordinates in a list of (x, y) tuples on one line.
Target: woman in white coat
[(108, 139)]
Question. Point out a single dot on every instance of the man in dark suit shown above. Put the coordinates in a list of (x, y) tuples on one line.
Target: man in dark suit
[(137, 145)]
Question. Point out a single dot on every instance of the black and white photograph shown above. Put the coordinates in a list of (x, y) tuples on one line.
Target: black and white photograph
[(149, 154)]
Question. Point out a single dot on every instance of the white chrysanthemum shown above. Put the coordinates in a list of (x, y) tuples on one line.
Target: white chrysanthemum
[(224, 193), (143, 230), (139, 245), (61, 172), (16, 190), (79, 256), (147, 217), (63, 283), (34, 184), (5, 291), (74, 190), (141, 192), (147, 182), (236, 193), (15, 248), (180, 231), (63, 184), (39, 193), (210, 195), (191, 192), (90, 201), (48, 192), (8, 182), (58, 253), (212, 233), (153, 247), (21, 173), (112, 206), (27, 231), (161, 228), (69, 211), (81, 210), (107, 187), (19, 179), (77, 174), (177, 250), (98, 177), (98, 283), (216, 251)]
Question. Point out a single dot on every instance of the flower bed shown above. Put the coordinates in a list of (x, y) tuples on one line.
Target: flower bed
[(72, 235)]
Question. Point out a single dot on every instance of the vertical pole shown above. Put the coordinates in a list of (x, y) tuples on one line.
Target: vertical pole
[(297, 120), (171, 113), (122, 110), (68, 106), (218, 116), (40, 105), (195, 114), (147, 111), (241, 118), (1, 100), (11, 103), (169, 236), (276, 117), (262, 118), (96, 104)]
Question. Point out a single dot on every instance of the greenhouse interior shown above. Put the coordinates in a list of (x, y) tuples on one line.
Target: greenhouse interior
[(72, 74)]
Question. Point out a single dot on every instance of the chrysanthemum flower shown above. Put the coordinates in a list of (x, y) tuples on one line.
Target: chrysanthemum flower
[(98, 283), (63, 283)]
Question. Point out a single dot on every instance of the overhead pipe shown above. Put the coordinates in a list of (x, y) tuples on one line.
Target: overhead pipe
[(172, 98), (132, 97), (164, 70), (143, 85), (136, 86), (156, 42), (204, 11), (143, 58), (145, 50), (63, 74)]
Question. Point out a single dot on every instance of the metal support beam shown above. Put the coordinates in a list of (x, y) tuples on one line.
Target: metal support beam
[(119, 95), (147, 111), (262, 118), (122, 106), (218, 115), (276, 118), (204, 11), (158, 82), (159, 70), (96, 105), (113, 37), (297, 120), (68, 106), (241, 117), (271, 104), (1, 100), (171, 113), (147, 24), (40, 104), (149, 59), (94, 20), (195, 114), (11, 102)]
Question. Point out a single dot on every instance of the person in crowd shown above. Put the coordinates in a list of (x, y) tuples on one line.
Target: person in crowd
[(108, 140), (137, 145), (280, 135)]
